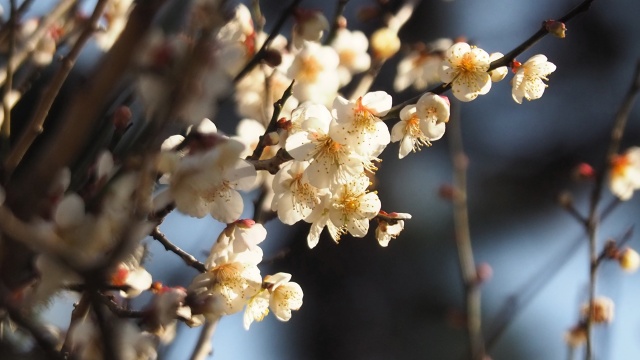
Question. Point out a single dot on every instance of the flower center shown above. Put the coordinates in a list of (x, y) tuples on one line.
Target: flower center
[(467, 63), (309, 69)]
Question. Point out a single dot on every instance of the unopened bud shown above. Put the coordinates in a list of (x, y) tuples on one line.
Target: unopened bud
[(515, 65), (484, 272), (555, 28), (565, 199), (576, 336), (122, 119), (272, 57), (584, 171), (284, 124), (385, 43), (446, 191), (629, 260)]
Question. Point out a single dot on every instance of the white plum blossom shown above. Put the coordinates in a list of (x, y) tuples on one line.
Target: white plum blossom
[(625, 173), (465, 67), (388, 230), (351, 47), (331, 161), (310, 25), (527, 82), (278, 294), (359, 122), (409, 131), (352, 206), (231, 280), (315, 70), (294, 197), (207, 182)]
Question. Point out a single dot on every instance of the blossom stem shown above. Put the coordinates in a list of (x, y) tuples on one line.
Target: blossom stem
[(503, 61), (35, 126), (273, 124), (169, 246), (593, 219), (463, 238), (257, 58), (203, 347)]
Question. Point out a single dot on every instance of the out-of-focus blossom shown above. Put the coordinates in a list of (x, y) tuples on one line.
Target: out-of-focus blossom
[(315, 70), (466, 67), (309, 26), (352, 50), (625, 173), (527, 82), (420, 66), (603, 310), (385, 43), (629, 260), (116, 14)]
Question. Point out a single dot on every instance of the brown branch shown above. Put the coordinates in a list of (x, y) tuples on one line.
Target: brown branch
[(272, 165), (169, 246), (5, 130), (593, 219), (259, 56), (35, 126), (504, 61), (463, 238), (120, 311)]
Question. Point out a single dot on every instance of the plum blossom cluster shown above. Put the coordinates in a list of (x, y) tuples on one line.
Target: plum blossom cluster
[(467, 69)]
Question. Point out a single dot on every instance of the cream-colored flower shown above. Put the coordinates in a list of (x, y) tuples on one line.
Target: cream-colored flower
[(625, 173), (527, 83), (466, 67)]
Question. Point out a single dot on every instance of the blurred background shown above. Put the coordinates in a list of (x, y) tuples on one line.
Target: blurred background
[(363, 301)]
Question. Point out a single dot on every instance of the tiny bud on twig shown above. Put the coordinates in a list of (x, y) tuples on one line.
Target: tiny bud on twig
[(556, 28)]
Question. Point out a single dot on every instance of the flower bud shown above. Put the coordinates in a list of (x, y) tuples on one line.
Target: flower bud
[(584, 171), (272, 57), (576, 336), (555, 28), (603, 310), (122, 119), (629, 260), (384, 43)]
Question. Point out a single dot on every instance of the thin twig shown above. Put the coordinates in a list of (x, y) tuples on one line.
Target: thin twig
[(593, 219), (463, 238), (504, 61), (273, 124), (203, 347), (35, 126), (120, 311), (169, 246), (30, 44), (257, 58), (335, 25)]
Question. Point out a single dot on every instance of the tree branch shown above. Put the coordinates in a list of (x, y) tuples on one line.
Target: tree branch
[(169, 246)]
